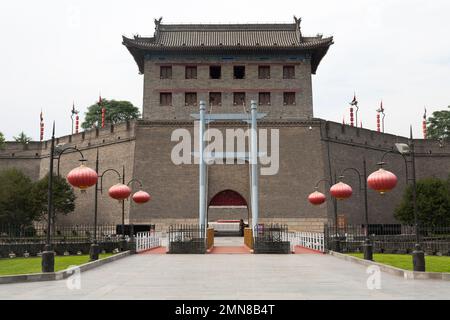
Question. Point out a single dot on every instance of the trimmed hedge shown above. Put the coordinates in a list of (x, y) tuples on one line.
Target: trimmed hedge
[(33, 249)]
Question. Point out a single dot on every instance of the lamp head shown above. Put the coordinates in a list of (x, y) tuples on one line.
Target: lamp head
[(403, 148)]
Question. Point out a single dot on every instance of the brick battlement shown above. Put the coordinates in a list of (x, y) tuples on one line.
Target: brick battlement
[(346, 134), (19, 150), (112, 133)]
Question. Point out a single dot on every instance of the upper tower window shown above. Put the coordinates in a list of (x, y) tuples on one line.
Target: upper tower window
[(239, 72), (264, 72), (288, 72), (289, 98), (165, 72), (191, 72), (239, 98), (215, 72), (264, 98), (190, 98), (165, 99), (215, 99)]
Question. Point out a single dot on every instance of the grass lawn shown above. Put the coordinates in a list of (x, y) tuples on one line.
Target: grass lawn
[(404, 261), (15, 266)]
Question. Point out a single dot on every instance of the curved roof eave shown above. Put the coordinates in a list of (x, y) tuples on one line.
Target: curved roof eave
[(318, 49)]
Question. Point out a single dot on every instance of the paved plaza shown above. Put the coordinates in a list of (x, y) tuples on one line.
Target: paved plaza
[(229, 276)]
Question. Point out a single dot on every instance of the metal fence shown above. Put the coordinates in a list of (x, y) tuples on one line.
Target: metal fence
[(389, 238), (38, 233), (271, 238), (187, 239), (20, 241)]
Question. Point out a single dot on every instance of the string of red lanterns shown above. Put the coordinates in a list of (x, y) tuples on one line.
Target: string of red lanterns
[(351, 117), (103, 117), (77, 123), (84, 177), (42, 132), (424, 124), (378, 122), (381, 181), (41, 127)]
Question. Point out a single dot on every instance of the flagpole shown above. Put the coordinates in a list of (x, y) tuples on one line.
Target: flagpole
[(71, 117)]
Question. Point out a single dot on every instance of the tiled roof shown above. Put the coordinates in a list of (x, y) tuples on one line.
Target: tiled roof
[(224, 37)]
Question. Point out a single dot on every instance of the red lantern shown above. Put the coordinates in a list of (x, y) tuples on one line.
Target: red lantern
[(119, 191), (82, 177), (382, 181), (316, 198), (341, 191), (141, 197)]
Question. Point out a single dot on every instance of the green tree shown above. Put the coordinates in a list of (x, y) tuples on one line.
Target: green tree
[(116, 111), (23, 138), (439, 125), (2, 141), (63, 197), (433, 203), (16, 205)]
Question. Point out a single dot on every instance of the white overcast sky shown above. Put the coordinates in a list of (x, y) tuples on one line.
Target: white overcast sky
[(54, 52)]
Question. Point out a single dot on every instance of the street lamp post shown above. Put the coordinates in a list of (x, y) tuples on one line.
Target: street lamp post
[(132, 240), (318, 198), (418, 254), (94, 250), (82, 181), (335, 211), (48, 256), (123, 241), (121, 192), (59, 153), (368, 248), (408, 149)]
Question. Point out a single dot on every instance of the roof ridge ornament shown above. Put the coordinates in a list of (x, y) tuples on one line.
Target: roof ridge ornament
[(298, 22), (158, 23)]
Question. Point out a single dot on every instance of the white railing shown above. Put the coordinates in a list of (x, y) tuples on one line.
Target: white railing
[(147, 240), (310, 240), (225, 226)]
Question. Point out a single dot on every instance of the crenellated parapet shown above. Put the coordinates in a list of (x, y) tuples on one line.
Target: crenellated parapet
[(365, 138), (95, 137), (21, 150), (32, 158)]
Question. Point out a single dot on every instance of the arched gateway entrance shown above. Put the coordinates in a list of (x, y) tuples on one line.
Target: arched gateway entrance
[(228, 214), (228, 205)]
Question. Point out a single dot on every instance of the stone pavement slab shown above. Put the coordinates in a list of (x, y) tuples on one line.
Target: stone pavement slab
[(230, 277)]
